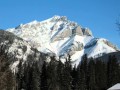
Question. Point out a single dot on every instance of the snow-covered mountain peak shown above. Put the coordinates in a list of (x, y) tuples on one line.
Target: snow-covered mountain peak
[(60, 36), (59, 18), (33, 22)]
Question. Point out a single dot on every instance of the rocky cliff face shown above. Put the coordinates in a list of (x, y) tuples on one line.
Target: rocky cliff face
[(60, 36)]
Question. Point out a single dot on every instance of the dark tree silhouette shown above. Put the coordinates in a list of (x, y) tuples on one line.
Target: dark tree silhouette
[(44, 84)]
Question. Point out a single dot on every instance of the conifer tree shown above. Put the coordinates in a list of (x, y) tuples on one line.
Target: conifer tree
[(74, 78), (51, 74), (113, 68), (91, 75), (20, 76), (60, 67), (82, 80), (83, 71), (44, 85), (101, 75), (35, 77), (28, 77), (7, 78), (67, 78)]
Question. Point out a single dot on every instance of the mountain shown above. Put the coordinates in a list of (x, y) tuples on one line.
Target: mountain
[(59, 36), (106, 56), (16, 49)]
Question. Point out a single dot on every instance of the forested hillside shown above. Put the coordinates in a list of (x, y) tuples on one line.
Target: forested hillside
[(91, 74)]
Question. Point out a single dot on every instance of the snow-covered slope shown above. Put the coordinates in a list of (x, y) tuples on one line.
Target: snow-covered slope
[(16, 49), (60, 36)]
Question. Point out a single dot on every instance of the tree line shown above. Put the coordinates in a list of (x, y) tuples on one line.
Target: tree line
[(90, 74)]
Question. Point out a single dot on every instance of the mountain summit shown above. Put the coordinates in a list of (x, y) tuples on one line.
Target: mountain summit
[(60, 36)]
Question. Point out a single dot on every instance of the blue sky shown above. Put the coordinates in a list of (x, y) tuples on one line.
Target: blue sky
[(98, 15)]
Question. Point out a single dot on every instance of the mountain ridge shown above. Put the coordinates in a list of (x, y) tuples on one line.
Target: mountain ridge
[(60, 36), (16, 49)]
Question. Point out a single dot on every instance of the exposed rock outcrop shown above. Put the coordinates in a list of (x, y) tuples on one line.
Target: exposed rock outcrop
[(76, 46), (110, 44), (78, 31), (86, 31)]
